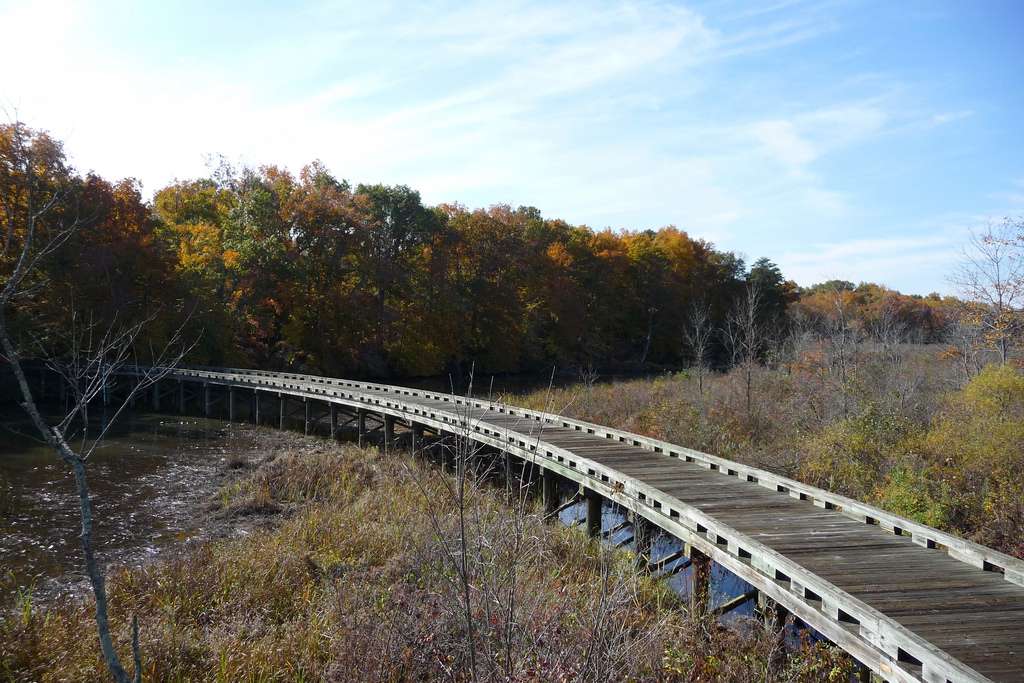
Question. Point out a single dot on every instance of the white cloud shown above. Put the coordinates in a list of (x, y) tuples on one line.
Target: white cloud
[(781, 140), (951, 116), (599, 113)]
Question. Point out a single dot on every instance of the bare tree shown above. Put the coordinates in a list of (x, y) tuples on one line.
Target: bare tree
[(745, 337), (843, 335), (992, 274), (37, 214), (697, 335), (891, 332), (966, 335)]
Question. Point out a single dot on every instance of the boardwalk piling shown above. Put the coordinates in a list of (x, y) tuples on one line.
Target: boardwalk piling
[(389, 433), (256, 407), (231, 404), (593, 513), (416, 442), (308, 409), (549, 491), (701, 585), (361, 421), (642, 542), (281, 408), (206, 399), (334, 421)]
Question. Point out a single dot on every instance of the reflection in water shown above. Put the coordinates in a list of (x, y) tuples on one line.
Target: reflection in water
[(146, 478)]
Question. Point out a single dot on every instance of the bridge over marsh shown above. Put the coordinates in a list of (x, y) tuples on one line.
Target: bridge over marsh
[(909, 602)]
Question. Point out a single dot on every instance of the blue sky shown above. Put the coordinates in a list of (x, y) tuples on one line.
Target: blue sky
[(858, 140)]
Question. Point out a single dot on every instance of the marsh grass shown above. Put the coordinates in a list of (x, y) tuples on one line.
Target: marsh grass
[(352, 584), (914, 437)]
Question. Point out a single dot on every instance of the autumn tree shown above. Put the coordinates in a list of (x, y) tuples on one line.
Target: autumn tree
[(392, 231)]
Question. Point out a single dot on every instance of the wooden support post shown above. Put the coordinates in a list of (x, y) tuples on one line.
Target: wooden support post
[(256, 407), (361, 422), (549, 492), (417, 438), (701, 586), (508, 473), (181, 396), (774, 617), (593, 513), (334, 421), (772, 613), (206, 399), (642, 535), (281, 405), (309, 407), (231, 404), (389, 433), (156, 396)]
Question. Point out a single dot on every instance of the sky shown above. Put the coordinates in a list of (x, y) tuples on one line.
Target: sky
[(842, 139)]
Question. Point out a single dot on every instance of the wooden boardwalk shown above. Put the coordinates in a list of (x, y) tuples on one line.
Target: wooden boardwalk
[(909, 602)]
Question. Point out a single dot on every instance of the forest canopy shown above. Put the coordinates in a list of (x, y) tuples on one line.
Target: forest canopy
[(309, 271)]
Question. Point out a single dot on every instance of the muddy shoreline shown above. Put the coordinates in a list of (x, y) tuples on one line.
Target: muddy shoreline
[(185, 512)]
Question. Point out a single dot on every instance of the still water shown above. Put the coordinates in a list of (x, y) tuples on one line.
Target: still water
[(149, 480)]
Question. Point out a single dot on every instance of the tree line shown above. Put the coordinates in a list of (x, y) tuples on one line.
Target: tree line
[(308, 271)]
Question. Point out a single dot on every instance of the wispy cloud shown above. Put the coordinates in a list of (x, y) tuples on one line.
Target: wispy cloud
[(890, 261), (636, 113)]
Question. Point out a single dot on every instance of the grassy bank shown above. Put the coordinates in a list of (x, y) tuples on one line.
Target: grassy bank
[(346, 565)]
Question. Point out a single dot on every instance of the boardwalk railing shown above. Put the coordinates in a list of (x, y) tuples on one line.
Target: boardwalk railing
[(910, 602)]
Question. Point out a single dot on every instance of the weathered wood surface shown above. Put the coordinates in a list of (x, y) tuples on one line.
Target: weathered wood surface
[(910, 602)]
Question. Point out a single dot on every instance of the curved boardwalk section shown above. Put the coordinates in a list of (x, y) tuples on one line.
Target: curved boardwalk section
[(907, 601)]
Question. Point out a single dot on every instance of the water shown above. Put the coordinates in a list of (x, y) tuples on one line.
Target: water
[(723, 584), (149, 480)]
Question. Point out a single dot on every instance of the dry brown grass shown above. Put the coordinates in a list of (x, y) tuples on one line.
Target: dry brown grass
[(353, 585)]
